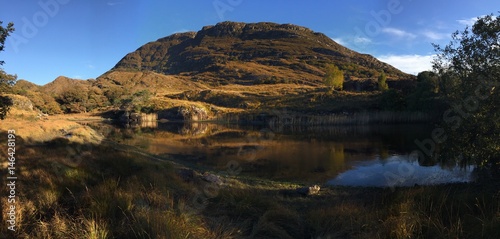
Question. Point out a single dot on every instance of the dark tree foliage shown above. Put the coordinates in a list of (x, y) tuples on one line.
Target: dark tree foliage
[(392, 100), (4, 33), (5, 104), (425, 96), (469, 71), (428, 81), (6, 80), (74, 100)]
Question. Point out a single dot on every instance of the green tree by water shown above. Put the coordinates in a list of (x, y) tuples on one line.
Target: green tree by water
[(334, 77), (428, 81), (425, 96), (470, 68), (6, 80)]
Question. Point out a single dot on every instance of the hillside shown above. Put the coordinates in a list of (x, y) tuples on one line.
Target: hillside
[(254, 53), (226, 68)]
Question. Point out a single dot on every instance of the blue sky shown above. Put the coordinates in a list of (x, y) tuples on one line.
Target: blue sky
[(84, 39)]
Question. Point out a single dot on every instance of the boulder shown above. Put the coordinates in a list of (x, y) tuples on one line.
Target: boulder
[(308, 191), (212, 178)]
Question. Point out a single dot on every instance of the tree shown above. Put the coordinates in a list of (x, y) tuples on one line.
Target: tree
[(4, 33), (428, 81), (334, 77), (425, 95), (74, 100), (470, 67), (382, 84), (6, 80)]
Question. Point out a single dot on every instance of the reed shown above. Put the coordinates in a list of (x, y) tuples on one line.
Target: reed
[(359, 118)]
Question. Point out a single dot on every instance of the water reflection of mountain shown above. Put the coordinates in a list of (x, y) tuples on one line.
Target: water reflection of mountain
[(290, 153)]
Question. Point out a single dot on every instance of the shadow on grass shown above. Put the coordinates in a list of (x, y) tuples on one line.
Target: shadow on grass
[(70, 190), (445, 211)]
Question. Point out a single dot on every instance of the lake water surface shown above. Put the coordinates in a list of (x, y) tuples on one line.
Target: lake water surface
[(376, 155)]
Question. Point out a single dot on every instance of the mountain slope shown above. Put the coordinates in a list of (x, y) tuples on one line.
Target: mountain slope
[(254, 53)]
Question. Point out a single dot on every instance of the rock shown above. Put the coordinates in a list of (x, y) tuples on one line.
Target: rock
[(308, 191), (212, 178), (124, 117), (135, 117), (20, 102), (193, 113), (127, 117)]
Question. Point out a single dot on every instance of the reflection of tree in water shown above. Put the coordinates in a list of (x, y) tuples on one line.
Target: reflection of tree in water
[(335, 161)]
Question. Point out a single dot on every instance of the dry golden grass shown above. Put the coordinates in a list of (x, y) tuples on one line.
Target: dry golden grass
[(157, 83), (41, 130), (119, 192)]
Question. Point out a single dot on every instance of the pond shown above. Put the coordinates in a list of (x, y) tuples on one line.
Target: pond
[(374, 155)]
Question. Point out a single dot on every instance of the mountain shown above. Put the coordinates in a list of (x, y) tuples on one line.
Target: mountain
[(62, 84), (253, 53), (229, 67)]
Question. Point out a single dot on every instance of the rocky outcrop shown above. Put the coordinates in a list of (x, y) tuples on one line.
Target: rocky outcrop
[(20, 102), (184, 113), (132, 117), (176, 114), (193, 113)]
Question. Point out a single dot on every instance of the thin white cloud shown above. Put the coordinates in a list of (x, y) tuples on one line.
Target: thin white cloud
[(339, 41), (362, 40), (432, 35), (90, 66), (181, 31), (398, 33), (469, 21), (412, 64), (111, 4)]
